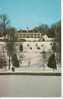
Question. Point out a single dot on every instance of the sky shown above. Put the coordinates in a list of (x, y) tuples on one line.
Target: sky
[(30, 13)]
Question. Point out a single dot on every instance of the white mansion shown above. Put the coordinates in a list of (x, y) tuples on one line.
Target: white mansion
[(34, 36)]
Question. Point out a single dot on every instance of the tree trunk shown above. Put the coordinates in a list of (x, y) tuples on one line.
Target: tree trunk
[(9, 62)]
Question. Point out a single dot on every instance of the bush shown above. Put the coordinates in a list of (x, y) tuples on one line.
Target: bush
[(38, 48), (15, 61), (3, 62), (54, 47), (52, 62), (31, 48), (21, 48), (28, 45), (13, 69)]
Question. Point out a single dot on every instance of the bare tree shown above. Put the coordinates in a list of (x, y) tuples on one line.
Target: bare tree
[(10, 45), (4, 24), (11, 34)]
